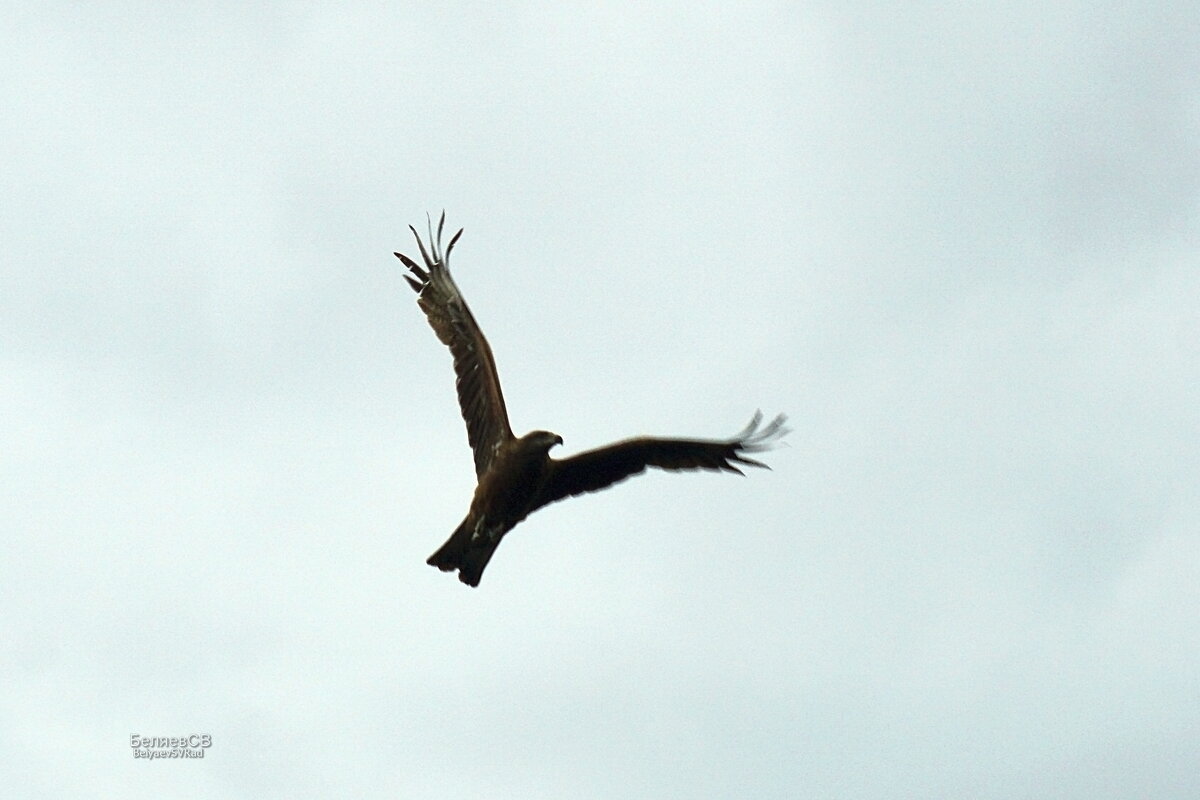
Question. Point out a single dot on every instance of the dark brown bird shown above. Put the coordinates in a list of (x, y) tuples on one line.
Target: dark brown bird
[(516, 475)]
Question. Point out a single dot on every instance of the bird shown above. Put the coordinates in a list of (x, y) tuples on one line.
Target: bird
[(516, 475)]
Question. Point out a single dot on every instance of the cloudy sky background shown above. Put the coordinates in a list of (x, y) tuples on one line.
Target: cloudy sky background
[(958, 246)]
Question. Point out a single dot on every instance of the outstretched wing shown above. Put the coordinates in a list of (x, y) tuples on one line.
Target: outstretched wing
[(478, 385), (594, 470)]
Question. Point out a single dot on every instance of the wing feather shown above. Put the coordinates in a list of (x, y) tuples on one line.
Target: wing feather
[(478, 385), (598, 469)]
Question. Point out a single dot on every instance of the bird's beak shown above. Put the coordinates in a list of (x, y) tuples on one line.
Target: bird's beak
[(558, 440)]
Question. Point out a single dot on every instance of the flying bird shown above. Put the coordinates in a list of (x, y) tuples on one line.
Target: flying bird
[(517, 476)]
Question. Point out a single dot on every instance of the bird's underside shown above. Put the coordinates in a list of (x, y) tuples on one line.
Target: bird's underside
[(517, 476)]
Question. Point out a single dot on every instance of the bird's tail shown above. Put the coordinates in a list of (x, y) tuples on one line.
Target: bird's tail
[(462, 553)]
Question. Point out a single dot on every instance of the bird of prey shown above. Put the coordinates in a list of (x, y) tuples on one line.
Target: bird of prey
[(517, 476)]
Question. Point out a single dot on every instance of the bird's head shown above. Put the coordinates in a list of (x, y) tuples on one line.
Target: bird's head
[(544, 439)]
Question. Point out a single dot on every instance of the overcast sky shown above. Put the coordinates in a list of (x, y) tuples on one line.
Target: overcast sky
[(957, 245)]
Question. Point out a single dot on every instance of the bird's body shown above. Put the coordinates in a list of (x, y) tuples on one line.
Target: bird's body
[(505, 495), (517, 476)]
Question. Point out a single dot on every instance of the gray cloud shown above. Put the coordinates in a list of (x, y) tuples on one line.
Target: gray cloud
[(957, 247)]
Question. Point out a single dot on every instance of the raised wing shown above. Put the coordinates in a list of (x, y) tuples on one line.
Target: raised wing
[(478, 385), (594, 470)]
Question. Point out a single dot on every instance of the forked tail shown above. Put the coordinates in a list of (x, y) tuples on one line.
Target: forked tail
[(462, 553)]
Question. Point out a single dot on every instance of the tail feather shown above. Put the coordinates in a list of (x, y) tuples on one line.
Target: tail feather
[(474, 561), (449, 556), (462, 553)]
